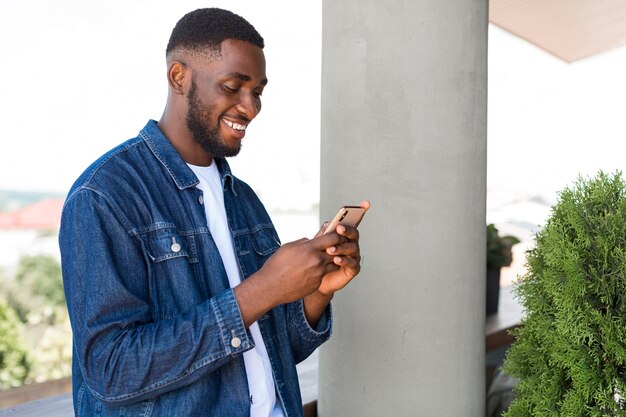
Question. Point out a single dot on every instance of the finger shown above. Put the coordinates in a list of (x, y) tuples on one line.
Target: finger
[(365, 204), (348, 231), (321, 231), (325, 241), (346, 262), (348, 249)]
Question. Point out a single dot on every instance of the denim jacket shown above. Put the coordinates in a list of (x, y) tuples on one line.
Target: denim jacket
[(157, 330)]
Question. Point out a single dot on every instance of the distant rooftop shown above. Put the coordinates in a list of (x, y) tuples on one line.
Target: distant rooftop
[(42, 215)]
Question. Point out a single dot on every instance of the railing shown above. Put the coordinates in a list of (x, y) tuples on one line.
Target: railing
[(57, 406), (61, 406), (34, 392), (53, 399)]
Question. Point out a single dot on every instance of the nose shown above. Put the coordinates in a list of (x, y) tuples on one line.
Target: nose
[(249, 105)]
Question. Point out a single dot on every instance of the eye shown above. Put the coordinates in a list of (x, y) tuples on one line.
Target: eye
[(230, 89), (257, 93)]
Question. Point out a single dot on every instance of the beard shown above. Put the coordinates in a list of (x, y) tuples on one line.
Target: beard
[(198, 122)]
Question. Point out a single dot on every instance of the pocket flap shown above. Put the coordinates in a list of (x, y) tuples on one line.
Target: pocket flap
[(265, 242), (166, 244)]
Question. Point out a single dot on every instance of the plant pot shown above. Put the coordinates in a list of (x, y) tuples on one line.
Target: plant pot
[(493, 290)]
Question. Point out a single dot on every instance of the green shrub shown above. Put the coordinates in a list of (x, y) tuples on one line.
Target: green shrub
[(42, 274), (570, 353), (14, 361), (37, 312), (38, 285), (51, 351)]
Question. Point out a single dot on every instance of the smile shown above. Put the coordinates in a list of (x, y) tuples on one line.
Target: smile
[(235, 126)]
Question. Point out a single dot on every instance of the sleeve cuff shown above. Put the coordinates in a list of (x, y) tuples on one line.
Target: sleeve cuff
[(235, 337), (322, 331)]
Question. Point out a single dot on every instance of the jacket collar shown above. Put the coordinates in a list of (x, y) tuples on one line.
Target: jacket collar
[(171, 160)]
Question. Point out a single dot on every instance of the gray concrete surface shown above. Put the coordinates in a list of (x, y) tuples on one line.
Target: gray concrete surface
[(404, 119)]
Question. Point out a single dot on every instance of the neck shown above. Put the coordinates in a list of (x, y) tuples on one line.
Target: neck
[(174, 127)]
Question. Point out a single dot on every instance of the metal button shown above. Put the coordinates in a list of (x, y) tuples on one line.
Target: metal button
[(235, 342), (201, 200), (175, 246)]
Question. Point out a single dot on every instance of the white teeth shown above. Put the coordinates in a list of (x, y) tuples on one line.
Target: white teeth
[(235, 126)]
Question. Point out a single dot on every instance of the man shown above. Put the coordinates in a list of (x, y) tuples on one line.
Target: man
[(182, 301)]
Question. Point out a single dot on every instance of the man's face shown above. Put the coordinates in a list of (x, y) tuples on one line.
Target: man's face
[(224, 97)]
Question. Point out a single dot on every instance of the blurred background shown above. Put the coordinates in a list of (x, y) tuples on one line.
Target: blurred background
[(80, 77)]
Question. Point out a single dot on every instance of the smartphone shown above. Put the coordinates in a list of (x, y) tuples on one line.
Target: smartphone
[(347, 216)]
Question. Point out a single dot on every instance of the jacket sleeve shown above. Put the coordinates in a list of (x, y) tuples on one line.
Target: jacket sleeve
[(305, 339), (124, 354)]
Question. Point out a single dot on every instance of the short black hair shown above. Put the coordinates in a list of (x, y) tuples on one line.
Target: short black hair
[(205, 29)]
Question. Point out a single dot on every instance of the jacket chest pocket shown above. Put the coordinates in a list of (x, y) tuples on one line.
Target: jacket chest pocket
[(166, 244), (173, 262), (255, 247), (265, 242)]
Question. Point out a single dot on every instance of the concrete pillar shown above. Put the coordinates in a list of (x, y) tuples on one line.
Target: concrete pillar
[(404, 109)]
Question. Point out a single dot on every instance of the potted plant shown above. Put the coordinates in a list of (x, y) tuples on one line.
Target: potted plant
[(499, 254)]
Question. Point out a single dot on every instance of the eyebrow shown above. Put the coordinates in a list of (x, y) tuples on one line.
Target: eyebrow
[(244, 77)]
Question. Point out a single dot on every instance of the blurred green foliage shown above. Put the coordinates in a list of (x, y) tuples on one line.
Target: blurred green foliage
[(14, 361), (36, 286), (499, 248), (37, 331), (42, 275)]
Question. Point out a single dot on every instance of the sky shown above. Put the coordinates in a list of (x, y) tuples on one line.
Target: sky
[(80, 77), (550, 121)]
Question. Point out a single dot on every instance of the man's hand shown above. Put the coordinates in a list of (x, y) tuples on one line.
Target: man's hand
[(293, 272), (347, 256), (297, 268), (313, 269), (347, 259)]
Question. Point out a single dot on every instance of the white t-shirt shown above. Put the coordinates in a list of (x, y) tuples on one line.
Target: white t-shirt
[(263, 401)]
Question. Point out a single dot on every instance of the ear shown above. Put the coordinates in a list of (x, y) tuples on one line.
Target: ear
[(176, 74)]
